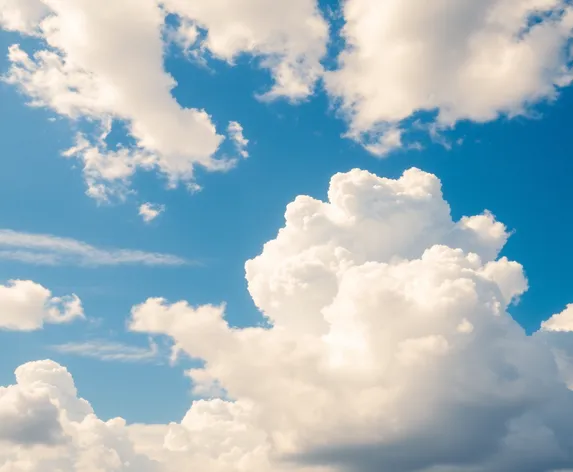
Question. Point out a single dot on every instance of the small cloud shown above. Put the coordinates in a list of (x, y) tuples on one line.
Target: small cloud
[(386, 142), (150, 211), (193, 187), (26, 306), (235, 131)]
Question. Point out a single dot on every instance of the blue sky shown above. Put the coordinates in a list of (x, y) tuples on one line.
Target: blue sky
[(519, 168)]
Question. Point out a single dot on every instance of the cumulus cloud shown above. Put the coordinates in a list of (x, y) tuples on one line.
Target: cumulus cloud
[(390, 334), (45, 427), (26, 306), (111, 69), (150, 211), (389, 347), (463, 60), (290, 38), (46, 249)]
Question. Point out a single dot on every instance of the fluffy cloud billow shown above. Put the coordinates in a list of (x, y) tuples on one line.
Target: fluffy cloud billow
[(111, 70), (397, 60), (389, 348), (26, 306), (290, 38), (45, 427), (460, 60)]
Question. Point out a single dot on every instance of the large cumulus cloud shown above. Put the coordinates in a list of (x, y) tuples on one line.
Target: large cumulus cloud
[(389, 348)]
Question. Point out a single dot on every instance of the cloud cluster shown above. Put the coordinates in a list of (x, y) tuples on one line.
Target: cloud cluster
[(455, 60), (26, 306), (46, 249), (389, 347), (105, 63), (110, 70), (463, 60)]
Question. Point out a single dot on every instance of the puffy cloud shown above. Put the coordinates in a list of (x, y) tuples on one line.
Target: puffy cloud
[(26, 306), (389, 346), (290, 38), (45, 427), (47, 249), (149, 211), (465, 60), (105, 63)]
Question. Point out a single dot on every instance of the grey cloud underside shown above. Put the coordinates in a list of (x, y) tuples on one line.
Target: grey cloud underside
[(466, 439), (35, 426)]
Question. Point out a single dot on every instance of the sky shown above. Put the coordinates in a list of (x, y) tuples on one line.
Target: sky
[(281, 237)]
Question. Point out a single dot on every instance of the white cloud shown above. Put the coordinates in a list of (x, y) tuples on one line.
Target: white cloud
[(467, 60), (44, 427), (557, 333), (290, 37), (149, 211), (26, 306), (560, 322), (235, 131), (111, 69), (53, 250), (390, 347), (110, 351), (21, 15), (185, 36)]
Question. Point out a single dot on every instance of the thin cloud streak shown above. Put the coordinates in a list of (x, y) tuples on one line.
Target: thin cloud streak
[(110, 351), (45, 249)]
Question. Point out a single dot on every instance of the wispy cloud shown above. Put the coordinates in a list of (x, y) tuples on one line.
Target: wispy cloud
[(235, 131), (45, 249), (110, 351)]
